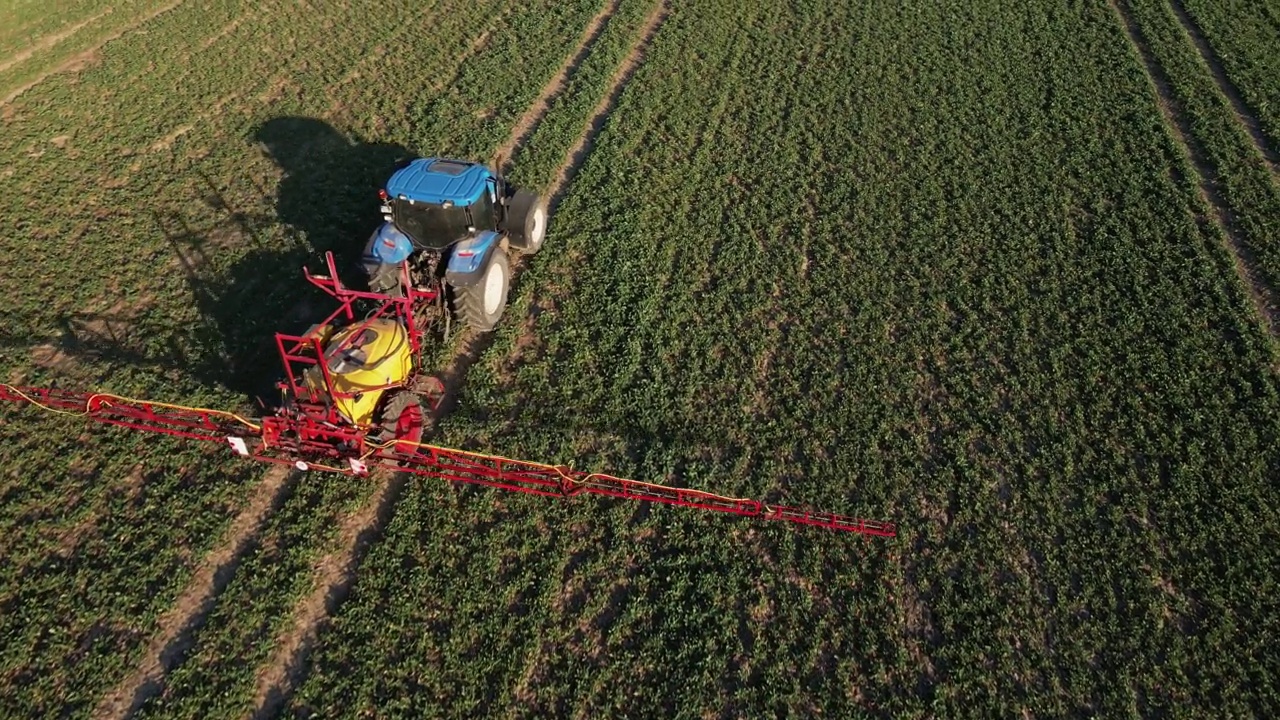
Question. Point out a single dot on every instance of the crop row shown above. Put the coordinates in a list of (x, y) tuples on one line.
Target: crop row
[(202, 682), (117, 308), (217, 675), (26, 24), (544, 151), (813, 257), (97, 545), (151, 86), (1247, 186), (578, 593), (1245, 38)]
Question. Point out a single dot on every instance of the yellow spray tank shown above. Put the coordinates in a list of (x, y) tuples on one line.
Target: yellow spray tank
[(364, 361)]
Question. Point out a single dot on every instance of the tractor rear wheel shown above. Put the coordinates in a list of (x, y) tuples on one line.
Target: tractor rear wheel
[(527, 217), (480, 305), (404, 418)]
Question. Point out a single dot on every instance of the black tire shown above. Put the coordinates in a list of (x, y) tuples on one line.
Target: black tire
[(527, 219), (384, 279), (480, 306), (392, 411)]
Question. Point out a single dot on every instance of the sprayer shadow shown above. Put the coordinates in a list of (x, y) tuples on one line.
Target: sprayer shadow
[(326, 201)]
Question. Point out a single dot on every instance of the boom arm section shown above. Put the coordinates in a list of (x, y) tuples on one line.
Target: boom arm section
[(187, 422), (310, 445), (556, 481)]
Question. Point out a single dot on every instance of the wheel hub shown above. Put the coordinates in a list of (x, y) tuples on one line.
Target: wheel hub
[(409, 428), (539, 227), (493, 285)]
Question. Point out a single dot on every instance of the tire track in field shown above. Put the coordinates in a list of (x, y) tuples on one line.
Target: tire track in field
[(1266, 303), (226, 30), (581, 148), (83, 58), (1244, 115), (336, 573), (528, 122), (576, 155), (49, 41), (178, 625), (202, 117), (287, 666)]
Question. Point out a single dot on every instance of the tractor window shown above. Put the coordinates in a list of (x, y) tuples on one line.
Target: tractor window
[(430, 227), (448, 167), (482, 212)]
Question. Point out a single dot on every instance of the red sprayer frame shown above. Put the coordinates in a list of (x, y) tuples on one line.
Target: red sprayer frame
[(306, 349), (308, 434)]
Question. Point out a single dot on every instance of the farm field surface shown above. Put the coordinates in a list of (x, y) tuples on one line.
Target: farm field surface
[(1243, 39), (1004, 274)]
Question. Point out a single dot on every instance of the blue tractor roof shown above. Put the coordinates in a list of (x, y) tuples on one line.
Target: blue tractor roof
[(435, 180)]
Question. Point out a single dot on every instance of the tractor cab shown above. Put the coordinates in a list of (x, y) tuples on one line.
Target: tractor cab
[(437, 203), (452, 223), (440, 215)]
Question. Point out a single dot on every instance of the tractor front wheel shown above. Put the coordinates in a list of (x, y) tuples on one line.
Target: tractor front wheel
[(480, 305), (404, 418)]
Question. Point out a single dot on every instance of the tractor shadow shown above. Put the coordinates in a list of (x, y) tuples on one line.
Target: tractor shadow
[(326, 201), (328, 193)]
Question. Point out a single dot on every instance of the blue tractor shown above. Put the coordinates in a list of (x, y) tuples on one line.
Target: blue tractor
[(454, 222)]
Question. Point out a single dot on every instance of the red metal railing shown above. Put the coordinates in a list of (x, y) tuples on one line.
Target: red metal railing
[(540, 479), (308, 433), (305, 350), (194, 423)]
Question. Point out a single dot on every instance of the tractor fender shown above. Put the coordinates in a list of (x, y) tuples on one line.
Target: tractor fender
[(388, 245), (383, 254), (470, 257)]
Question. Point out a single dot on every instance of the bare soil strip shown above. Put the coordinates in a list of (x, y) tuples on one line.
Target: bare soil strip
[(525, 126), (83, 58), (337, 571), (49, 41), (1265, 301), (335, 574), (188, 613), (1244, 115), (595, 123)]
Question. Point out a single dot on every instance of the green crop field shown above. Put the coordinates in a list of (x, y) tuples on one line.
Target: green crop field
[(1003, 274), (1244, 38)]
